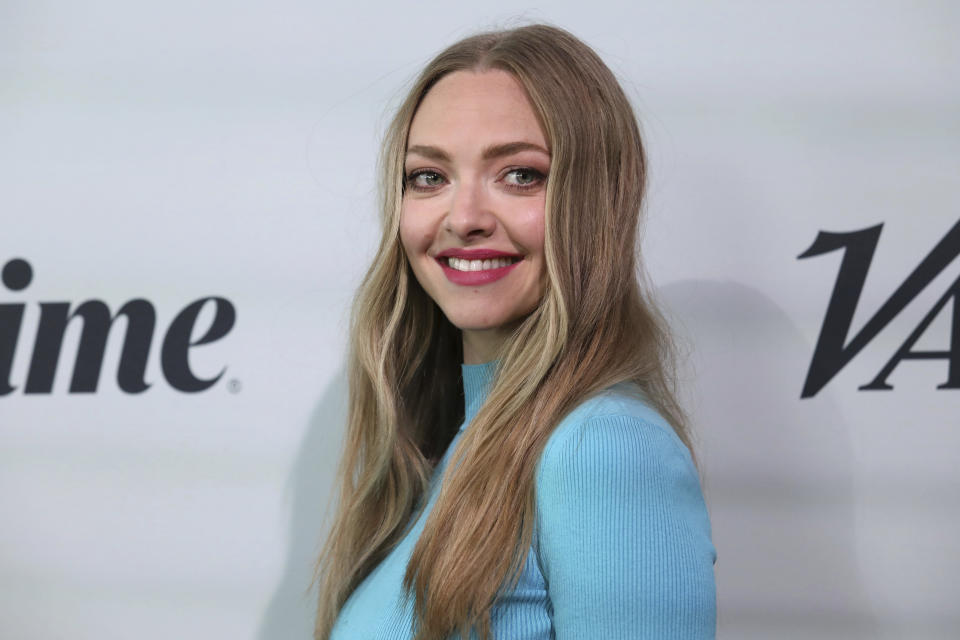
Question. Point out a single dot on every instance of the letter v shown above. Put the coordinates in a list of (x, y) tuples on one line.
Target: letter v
[(833, 352)]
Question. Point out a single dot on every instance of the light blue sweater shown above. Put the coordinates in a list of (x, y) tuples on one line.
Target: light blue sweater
[(621, 546)]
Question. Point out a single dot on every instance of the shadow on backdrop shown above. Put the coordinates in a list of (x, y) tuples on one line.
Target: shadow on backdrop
[(290, 614), (777, 469)]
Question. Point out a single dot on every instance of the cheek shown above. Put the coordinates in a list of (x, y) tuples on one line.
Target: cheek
[(416, 239), (534, 236), (417, 228), (532, 228), (411, 236)]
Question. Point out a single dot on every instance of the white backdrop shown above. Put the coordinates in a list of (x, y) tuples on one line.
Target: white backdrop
[(178, 151)]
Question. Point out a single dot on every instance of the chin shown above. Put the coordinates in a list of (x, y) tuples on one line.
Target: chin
[(471, 322)]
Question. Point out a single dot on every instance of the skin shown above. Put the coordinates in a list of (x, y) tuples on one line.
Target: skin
[(458, 196)]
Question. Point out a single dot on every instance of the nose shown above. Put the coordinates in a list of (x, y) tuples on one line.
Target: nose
[(470, 214)]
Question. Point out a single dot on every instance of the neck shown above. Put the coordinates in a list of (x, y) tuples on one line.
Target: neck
[(483, 345)]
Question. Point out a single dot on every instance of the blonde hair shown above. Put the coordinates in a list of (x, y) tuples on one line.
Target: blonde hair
[(595, 326)]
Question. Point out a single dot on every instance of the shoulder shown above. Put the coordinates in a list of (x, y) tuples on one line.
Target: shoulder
[(617, 424), (622, 535), (615, 467)]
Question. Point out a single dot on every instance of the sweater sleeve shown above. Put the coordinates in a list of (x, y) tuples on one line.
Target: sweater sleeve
[(623, 533)]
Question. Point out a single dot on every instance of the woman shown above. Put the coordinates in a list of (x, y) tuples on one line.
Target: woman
[(516, 464)]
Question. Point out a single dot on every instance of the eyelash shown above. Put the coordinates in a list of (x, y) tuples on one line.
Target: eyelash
[(538, 179)]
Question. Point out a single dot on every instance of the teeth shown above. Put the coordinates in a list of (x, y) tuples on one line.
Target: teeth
[(478, 265)]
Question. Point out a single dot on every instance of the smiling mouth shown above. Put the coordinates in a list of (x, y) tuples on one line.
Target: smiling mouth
[(461, 264)]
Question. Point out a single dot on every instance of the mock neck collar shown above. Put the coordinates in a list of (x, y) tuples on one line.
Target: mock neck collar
[(476, 384)]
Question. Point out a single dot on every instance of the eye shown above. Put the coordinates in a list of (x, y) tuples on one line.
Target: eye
[(423, 180), (523, 178)]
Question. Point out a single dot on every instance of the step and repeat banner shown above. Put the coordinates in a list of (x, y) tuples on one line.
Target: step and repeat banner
[(187, 204)]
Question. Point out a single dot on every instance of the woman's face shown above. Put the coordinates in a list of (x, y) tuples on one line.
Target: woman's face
[(471, 221)]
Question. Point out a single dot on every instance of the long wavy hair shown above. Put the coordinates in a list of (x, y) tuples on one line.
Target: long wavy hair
[(595, 326)]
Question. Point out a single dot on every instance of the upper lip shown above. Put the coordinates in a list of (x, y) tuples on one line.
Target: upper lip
[(475, 254)]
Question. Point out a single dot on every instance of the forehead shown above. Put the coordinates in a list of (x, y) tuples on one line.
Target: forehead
[(477, 106)]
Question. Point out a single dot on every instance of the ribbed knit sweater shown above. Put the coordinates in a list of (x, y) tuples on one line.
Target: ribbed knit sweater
[(621, 547)]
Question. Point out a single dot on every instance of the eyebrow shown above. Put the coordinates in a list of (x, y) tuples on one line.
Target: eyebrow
[(489, 153)]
